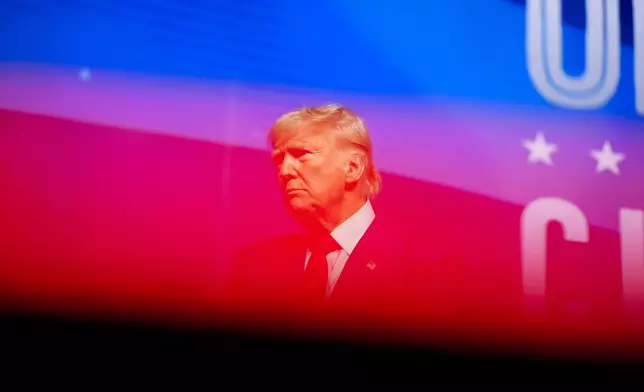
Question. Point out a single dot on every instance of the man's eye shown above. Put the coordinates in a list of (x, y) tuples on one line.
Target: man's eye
[(299, 153)]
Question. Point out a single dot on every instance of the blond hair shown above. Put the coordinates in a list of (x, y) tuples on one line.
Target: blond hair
[(344, 124)]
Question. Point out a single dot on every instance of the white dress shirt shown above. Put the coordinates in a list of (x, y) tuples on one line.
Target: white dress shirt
[(347, 235)]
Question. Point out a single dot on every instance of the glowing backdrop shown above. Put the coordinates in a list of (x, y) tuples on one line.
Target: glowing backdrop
[(132, 147)]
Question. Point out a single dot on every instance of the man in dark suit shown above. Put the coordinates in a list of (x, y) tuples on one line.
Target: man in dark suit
[(349, 261)]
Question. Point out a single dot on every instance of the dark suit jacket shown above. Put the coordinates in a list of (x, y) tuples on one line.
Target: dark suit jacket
[(418, 271)]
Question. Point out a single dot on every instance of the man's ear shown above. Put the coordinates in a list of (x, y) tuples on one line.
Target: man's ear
[(355, 168)]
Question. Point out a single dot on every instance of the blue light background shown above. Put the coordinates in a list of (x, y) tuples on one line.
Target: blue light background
[(457, 49)]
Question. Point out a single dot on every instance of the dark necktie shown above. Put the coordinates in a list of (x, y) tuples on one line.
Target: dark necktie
[(316, 275)]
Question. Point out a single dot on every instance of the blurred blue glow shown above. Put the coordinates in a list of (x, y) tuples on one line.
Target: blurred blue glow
[(463, 49)]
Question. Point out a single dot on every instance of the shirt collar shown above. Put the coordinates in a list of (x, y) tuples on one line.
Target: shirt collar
[(349, 232)]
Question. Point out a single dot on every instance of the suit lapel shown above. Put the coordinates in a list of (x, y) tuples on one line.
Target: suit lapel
[(294, 257), (364, 265)]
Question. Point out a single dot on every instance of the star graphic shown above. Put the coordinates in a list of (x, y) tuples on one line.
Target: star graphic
[(85, 74), (607, 159), (540, 149)]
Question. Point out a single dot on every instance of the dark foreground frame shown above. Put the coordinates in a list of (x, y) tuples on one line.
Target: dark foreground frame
[(101, 351)]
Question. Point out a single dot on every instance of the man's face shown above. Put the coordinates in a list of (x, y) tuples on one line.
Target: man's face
[(311, 171)]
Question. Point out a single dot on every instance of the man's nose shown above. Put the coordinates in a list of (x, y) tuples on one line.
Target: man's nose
[(286, 169)]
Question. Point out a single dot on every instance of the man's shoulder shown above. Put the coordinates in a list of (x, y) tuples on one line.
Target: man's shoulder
[(428, 242), (415, 230), (270, 245)]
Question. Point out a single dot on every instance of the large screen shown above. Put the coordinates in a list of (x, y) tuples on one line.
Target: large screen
[(134, 156)]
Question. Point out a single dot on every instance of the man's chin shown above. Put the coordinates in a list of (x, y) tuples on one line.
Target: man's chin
[(297, 206)]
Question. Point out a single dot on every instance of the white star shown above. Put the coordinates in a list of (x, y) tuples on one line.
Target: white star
[(85, 74), (540, 149), (607, 159)]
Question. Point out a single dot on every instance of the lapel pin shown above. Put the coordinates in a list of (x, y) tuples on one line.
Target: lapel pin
[(371, 265)]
